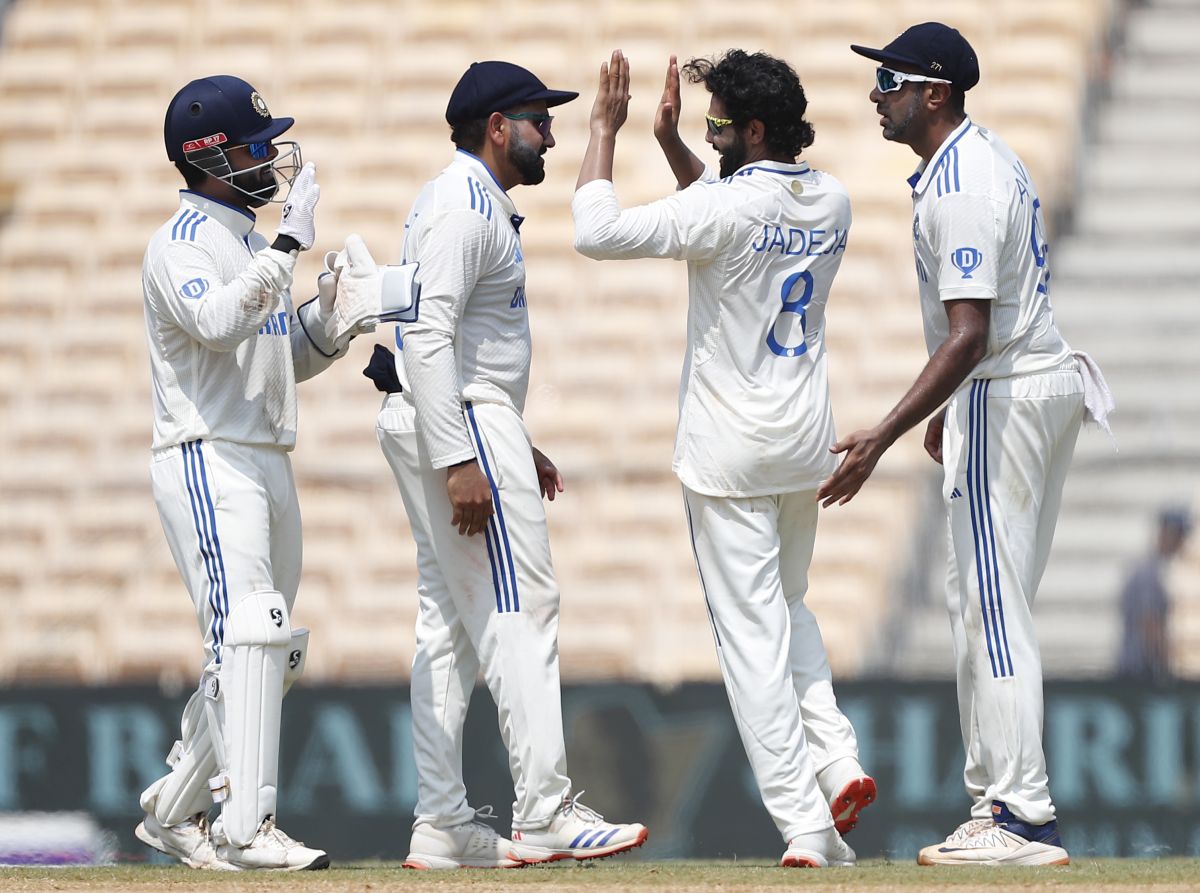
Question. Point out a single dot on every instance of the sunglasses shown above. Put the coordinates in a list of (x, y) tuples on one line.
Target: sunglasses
[(889, 81), (716, 125), (540, 120), (258, 151)]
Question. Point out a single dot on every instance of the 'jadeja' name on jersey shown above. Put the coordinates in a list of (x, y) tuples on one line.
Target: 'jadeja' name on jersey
[(797, 242)]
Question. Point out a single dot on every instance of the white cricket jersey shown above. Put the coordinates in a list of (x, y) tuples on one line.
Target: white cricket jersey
[(471, 341), (226, 348), (762, 248), (978, 234)]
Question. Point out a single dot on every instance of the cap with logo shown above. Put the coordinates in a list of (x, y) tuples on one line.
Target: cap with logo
[(215, 111), (488, 87), (934, 50)]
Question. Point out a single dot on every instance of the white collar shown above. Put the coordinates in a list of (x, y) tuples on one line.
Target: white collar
[(237, 221), (924, 173)]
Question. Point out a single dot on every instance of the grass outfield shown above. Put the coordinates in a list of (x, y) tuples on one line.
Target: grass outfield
[(1089, 874)]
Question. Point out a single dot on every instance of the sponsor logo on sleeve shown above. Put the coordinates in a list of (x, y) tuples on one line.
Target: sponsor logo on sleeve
[(967, 260), (194, 288)]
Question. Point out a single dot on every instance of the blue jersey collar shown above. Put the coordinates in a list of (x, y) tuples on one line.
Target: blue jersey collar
[(476, 164), (232, 218), (924, 173)]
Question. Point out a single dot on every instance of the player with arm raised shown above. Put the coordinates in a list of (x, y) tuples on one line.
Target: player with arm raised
[(1007, 395), (227, 347), (473, 484), (755, 424)]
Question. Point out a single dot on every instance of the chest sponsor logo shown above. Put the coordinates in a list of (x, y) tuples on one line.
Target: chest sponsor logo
[(276, 324), (967, 260), (193, 288)]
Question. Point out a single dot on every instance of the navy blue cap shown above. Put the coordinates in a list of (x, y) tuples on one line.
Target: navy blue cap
[(488, 87), (1176, 518), (935, 50), (218, 110)]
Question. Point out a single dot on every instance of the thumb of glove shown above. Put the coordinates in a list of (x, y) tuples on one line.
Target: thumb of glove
[(358, 257), (327, 292)]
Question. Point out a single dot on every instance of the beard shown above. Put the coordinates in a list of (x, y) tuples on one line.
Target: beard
[(261, 185), (899, 121), (733, 157), (527, 160)]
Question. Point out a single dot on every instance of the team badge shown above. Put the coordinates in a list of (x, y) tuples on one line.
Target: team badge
[(260, 104), (967, 260)]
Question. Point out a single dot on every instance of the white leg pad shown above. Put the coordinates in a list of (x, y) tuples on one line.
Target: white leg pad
[(254, 659), (184, 791)]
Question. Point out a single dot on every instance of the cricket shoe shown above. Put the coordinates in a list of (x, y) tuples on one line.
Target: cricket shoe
[(849, 789), (823, 849), (187, 841), (1006, 841), (271, 850), (575, 832), (472, 844)]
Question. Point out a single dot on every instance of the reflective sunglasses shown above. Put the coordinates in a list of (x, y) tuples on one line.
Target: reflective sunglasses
[(889, 81), (258, 151), (716, 125), (539, 120)]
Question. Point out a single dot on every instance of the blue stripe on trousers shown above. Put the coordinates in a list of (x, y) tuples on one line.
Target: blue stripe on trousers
[(687, 510), (212, 519), (1002, 632), (206, 549), (982, 567), (502, 541)]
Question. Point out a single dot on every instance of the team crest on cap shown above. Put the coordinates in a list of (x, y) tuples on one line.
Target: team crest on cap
[(260, 104)]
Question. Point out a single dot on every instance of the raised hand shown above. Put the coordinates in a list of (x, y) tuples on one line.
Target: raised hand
[(666, 119), (299, 208), (611, 107)]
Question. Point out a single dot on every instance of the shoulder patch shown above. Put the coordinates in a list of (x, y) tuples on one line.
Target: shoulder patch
[(186, 225), (193, 288)]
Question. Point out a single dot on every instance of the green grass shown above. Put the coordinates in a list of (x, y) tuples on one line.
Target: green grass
[(1086, 874)]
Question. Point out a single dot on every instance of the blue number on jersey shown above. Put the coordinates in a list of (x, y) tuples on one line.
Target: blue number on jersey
[(797, 306)]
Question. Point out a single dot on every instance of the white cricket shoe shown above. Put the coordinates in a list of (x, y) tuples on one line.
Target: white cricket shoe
[(824, 849), (849, 790), (472, 844), (187, 841), (985, 842), (575, 832), (272, 850)]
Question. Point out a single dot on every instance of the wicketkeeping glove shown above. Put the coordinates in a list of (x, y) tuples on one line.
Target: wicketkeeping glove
[(368, 294), (299, 208)]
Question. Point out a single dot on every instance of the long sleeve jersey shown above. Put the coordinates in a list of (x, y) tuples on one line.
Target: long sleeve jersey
[(226, 345), (471, 342), (762, 248)]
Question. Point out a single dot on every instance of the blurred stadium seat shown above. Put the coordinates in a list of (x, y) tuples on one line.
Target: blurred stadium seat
[(84, 181)]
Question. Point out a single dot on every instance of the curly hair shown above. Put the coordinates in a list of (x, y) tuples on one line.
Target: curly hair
[(757, 86)]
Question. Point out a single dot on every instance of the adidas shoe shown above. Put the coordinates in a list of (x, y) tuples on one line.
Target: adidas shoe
[(849, 789), (472, 844), (1005, 841), (272, 850), (187, 841), (824, 849), (575, 832)]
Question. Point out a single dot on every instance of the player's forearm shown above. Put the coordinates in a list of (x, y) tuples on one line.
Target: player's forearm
[(598, 158), (227, 316), (605, 232), (945, 372), (312, 351), (685, 165), (430, 365)]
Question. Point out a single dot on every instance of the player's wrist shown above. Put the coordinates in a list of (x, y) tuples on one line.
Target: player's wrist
[(286, 244)]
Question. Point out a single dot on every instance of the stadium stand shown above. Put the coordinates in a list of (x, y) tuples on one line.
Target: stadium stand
[(89, 587)]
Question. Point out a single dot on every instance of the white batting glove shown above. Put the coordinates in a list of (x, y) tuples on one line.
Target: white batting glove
[(298, 210)]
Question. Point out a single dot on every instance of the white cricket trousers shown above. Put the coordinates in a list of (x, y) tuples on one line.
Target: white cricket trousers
[(232, 522), (753, 556), (1007, 446), (488, 600)]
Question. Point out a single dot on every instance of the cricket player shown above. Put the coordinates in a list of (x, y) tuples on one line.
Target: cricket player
[(1007, 396), (755, 424), (473, 484), (227, 347)]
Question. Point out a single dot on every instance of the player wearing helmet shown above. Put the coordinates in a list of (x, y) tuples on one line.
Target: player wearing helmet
[(227, 347)]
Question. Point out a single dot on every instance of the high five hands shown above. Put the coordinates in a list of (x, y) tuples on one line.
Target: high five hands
[(611, 107)]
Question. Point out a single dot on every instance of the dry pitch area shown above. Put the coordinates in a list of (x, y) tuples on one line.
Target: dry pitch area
[(1159, 875)]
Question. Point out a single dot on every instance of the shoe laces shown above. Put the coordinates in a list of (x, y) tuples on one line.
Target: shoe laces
[(572, 806), (970, 829), (269, 830), (486, 814)]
